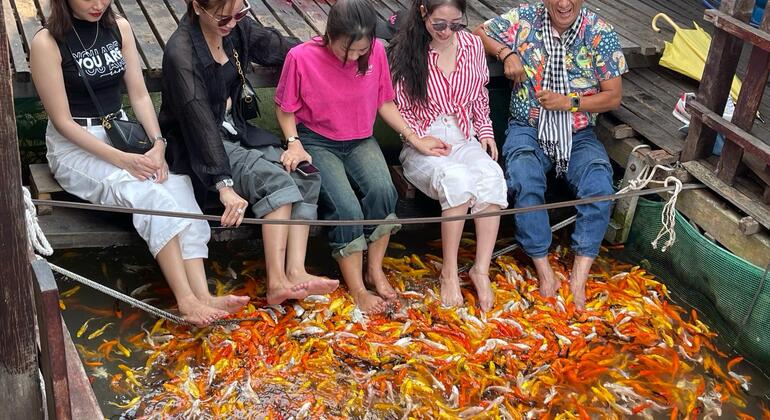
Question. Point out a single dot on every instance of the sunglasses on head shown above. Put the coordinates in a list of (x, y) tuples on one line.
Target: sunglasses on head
[(454, 27), (224, 20)]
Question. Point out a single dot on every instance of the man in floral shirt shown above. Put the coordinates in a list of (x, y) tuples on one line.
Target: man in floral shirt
[(562, 81)]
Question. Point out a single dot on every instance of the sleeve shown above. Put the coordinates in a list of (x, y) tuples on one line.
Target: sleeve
[(407, 109), (482, 123), (504, 28), (186, 92), (266, 45), (287, 93), (385, 92), (609, 60)]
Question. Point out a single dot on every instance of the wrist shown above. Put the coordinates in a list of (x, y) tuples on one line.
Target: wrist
[(224, 184), (507, 56), (294, 145), (289, 140), (573, 102), (500, 51)]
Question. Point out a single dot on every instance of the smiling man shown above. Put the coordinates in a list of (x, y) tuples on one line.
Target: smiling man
[(566, 63)]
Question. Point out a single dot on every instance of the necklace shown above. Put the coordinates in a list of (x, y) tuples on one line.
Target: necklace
[(445, 49), (81, 41)]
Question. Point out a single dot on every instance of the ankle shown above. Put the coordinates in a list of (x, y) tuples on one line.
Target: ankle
[(295, 271)]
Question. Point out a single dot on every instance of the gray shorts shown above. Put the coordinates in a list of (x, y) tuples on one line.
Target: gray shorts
[(260, 178)]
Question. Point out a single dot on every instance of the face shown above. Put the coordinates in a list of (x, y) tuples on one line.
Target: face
[(222, 20), (443, 22), (563, 12), (88, 10), (357, 49)]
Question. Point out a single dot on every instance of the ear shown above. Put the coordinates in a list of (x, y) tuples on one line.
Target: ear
[(423, 11)]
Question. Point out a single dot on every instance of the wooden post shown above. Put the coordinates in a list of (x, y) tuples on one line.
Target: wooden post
[(19, 384), (721, 65)]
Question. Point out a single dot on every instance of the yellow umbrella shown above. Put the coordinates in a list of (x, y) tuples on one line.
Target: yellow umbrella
[(687, 52)]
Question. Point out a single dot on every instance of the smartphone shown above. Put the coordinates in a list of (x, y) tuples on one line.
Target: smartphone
[(306, 168)]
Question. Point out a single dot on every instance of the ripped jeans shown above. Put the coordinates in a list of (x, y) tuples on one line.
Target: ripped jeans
[(589, 175)]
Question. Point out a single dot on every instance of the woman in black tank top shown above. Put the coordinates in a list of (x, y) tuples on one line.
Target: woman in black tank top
[(87, 36)]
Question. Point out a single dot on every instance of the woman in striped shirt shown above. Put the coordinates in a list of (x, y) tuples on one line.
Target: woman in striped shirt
[(440, 74)]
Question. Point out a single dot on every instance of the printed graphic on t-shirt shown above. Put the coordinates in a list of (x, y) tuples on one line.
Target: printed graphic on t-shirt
[(103, 61)]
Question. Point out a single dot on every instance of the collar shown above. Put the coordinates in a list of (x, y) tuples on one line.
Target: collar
[(200, 46)]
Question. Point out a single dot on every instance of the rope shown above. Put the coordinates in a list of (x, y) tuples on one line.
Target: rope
[(372, 222), (35, 235)]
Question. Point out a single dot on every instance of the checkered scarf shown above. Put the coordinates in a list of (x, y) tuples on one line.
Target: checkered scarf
[(554, 130)]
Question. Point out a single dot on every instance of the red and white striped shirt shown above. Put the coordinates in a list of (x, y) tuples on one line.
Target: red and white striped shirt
[(463, 94)]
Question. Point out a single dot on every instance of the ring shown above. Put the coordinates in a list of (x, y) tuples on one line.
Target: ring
[(239, 211)]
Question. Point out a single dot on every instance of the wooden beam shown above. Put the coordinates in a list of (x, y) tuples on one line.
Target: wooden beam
[(739, 29), (53, 362), (744, 139), (20, 396), (84, 403)]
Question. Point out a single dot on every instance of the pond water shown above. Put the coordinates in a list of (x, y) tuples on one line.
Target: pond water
[(320, 359)]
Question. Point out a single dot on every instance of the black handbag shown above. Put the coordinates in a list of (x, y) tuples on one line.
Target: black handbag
[(248, 100), (125, 135)]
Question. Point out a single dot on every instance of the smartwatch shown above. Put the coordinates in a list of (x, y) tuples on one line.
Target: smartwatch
[(227, 182), (574, 102)]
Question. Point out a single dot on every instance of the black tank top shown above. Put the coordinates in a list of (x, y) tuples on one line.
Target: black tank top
[(97, 50)]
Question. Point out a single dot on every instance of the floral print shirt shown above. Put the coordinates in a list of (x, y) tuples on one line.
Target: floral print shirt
[(595, 56)]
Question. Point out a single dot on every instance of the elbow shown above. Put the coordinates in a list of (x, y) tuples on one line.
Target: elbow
[(480, 31), (617, 102)]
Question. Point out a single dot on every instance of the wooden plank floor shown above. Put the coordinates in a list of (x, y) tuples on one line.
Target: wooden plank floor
[(154, 21)]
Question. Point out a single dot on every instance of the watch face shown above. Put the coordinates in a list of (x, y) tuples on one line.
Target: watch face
[(575, 101)]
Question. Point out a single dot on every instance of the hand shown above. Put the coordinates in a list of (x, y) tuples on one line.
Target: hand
[(553, 101), (431, 146), (513, 69), (157, 155), (489, 146), (235, 207), (294, 155), (142, 167)]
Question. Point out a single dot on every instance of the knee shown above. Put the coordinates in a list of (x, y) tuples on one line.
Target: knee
[(596, 179), (349, 210), (381, 189)]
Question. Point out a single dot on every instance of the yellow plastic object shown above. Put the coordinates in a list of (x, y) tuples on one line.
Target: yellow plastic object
[(687, 52)]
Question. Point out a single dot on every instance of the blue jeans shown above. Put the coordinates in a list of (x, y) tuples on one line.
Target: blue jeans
[(355, 184), (589, 175)]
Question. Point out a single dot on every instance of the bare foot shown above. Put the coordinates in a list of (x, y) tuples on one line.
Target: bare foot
[(368, 302), (229, 303), (451, 296), (315, 285), (276, 294), (578, 289), (483, 289), (548, 287), (379, 280), (199, 314)]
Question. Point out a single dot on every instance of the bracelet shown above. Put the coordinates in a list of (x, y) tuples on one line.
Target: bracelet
[(499, 51), (508, 55)]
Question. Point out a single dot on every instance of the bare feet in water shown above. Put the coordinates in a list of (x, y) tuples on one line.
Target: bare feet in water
[(379, 280), (451, 296), (368, 302), (578, 289), (315, 285), (280, 291), (229, 303), (548, 287), (483, 289), (199, 314)]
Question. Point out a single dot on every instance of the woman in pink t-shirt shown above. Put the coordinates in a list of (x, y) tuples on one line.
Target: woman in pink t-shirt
[(331, 90)]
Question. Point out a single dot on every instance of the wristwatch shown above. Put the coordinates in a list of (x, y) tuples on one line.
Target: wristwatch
[(289, 140), (227, 182), (574, 102), (159, 137)]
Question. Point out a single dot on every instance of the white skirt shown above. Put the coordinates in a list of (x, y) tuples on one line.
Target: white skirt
[(467, 175), (92, 179)]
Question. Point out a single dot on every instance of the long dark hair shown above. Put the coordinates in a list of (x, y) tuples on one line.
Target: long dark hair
[(408, 51), (354, 20), (59, 22)]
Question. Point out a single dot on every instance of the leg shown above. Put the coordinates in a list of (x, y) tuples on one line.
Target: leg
[(196, 275), (191, 308), (275, 237), (451, 233), (526, 166), (486, 235), (338, 201), (374, 273), (589, 175)]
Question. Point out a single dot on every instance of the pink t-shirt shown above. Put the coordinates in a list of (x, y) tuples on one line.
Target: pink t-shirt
[(333, 100)]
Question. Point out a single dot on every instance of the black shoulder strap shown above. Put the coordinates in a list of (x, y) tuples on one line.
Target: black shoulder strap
[(82, 75), (118, 35)]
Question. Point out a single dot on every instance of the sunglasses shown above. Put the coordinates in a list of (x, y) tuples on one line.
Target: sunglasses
[(454, 27), (224, 20)]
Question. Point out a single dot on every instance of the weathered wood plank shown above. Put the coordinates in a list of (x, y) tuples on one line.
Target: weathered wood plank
[(29, 19), (744, 139), (53, 361), (294, 23), (178, 8), (149, 48), (84, 403), (262, 14), (729, 162), (753, 208), (735, 27), (15, 42), (709, 212), (312, 13), (160, 19)]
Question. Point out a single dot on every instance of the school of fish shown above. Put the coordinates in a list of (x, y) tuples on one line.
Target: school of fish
[(631, 353)]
